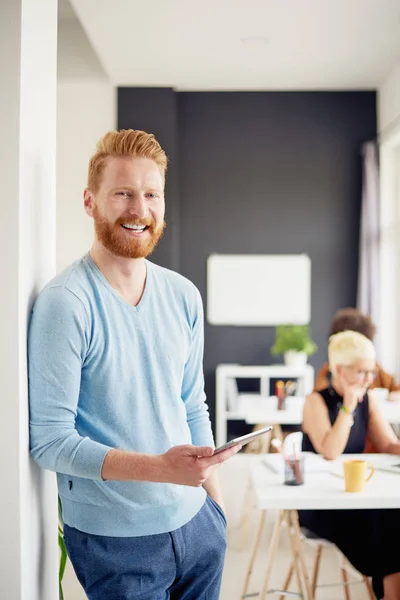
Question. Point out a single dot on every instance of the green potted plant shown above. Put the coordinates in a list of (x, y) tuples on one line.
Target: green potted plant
[(294, 343)]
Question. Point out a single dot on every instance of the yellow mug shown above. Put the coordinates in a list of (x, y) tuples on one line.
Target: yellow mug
[(355, 474)]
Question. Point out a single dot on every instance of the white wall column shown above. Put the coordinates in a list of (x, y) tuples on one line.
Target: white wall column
[(28, 498)]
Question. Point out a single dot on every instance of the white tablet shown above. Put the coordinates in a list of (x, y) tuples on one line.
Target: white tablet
[(244, 439)]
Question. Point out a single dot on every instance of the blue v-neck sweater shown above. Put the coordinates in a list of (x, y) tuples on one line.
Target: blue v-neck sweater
[(104, 374)]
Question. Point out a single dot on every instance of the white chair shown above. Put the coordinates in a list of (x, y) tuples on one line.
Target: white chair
[(291, 441)]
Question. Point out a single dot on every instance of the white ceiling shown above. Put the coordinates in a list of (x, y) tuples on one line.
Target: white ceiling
[(197, 45)]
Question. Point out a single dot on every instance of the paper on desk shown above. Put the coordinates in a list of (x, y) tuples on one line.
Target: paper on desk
[(312, 462)]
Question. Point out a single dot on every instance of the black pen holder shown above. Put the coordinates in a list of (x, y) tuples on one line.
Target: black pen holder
[(294, 470)]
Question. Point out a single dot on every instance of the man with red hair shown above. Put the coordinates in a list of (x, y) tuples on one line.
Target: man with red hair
[(117, 399)]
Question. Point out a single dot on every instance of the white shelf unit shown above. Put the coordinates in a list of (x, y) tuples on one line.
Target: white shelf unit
[(227, 398)]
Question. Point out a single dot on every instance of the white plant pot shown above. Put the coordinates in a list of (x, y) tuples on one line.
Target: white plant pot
[(292, 358)]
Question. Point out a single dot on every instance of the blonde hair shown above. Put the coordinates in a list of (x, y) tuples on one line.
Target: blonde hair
[(347, 347), (126, 142)]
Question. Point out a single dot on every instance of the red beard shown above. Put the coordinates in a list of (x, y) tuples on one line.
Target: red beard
[(112, 236)]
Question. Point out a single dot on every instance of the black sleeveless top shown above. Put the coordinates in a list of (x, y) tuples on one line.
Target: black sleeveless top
[(358, 432)]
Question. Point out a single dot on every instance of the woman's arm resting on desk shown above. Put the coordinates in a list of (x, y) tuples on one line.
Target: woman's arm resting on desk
[(380, 432), (328, 440)]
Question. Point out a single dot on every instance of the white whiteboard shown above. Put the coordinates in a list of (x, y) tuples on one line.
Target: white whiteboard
[(257, 289)]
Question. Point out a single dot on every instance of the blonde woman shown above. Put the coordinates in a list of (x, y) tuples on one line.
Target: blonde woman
[(337, 420)]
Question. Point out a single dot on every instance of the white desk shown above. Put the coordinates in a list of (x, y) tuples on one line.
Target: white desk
[(321, 490), (228, 399), (256, 409)]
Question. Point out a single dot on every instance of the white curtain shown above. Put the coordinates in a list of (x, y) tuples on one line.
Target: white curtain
[(368, 292), (389, 325)]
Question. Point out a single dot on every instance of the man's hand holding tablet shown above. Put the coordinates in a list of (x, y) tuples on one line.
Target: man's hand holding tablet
[(244, 439), (192, 465)]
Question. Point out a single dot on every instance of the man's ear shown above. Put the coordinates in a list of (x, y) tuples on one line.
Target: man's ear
[(88, 202)]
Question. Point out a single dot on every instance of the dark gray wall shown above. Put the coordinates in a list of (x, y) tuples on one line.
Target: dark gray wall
[(264, 173)]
